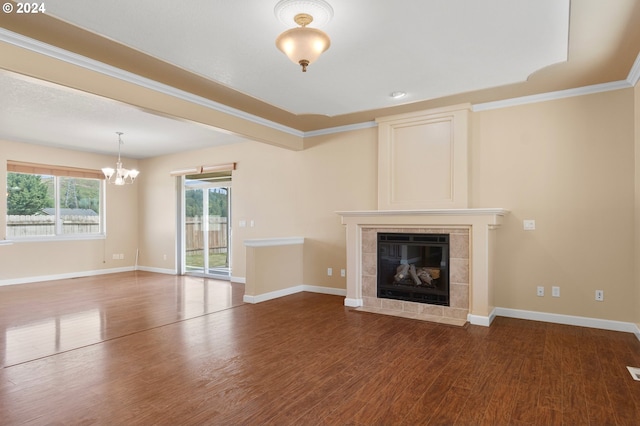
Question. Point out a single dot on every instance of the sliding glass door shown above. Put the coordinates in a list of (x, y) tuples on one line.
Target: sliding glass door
[(206, 216)]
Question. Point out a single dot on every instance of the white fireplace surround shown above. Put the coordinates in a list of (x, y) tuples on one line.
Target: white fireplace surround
[(481, 223)]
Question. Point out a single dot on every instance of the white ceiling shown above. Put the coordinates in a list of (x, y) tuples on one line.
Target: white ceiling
[(430, 49), (427, 48)]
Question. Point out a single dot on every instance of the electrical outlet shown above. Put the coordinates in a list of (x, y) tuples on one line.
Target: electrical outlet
[(600, 295), (115, 256), (555, 291), (343, 273), (329, 271), (540, 291), (529, 225)]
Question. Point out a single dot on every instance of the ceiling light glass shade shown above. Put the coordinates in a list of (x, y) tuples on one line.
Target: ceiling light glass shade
[(119, 175), (303, 45)]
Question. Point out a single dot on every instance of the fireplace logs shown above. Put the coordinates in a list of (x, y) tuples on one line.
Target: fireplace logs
[(401, 273), (419, 275), (414, 267)]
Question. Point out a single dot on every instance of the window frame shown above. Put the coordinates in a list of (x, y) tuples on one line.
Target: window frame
[(58, 172)]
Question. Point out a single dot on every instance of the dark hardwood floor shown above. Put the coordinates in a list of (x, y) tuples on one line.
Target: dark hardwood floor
[(142, 349)]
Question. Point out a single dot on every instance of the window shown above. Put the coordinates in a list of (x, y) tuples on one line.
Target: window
[(53, 202)]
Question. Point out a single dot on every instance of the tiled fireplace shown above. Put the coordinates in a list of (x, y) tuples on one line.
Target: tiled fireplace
[(470, 270), (458, 277)]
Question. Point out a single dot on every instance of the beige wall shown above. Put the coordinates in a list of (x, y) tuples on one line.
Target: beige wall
[(339, 172), (264, 189), (273, 268), (569, 164), (45, 259), (285, 193)]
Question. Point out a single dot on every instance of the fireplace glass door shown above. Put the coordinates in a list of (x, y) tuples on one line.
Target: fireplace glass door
[(414, 267)]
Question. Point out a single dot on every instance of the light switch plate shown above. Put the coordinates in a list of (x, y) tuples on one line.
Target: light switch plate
[(529, 224)]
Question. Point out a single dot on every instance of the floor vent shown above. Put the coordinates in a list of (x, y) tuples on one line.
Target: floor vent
[(635, 373)]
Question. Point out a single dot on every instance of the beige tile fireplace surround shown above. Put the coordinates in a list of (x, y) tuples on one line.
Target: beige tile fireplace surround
[(472, 240), (458, 309), (423, 188)]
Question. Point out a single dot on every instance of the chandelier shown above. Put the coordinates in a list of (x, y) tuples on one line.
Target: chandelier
[(119, 175), (303, 45)]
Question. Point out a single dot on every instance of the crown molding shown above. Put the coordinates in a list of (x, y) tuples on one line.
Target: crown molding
[(550, 96), (340, 129), (634, 73), (631, 81)]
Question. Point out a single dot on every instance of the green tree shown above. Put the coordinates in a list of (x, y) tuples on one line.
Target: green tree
[(80, 193), (193, 200), (218, 202), (27, 194)]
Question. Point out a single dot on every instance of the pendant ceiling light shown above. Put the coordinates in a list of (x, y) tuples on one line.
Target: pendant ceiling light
[(119, 175), (303, 45)]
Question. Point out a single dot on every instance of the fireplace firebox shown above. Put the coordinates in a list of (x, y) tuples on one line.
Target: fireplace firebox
[(414, 267)]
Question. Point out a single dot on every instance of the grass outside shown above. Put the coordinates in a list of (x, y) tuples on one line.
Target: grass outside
[(215, 260)]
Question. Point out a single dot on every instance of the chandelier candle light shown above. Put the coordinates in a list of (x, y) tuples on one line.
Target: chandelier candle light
[(119, 175), (303, 45)]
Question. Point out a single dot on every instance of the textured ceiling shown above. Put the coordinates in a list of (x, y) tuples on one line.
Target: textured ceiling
[(52, 115)]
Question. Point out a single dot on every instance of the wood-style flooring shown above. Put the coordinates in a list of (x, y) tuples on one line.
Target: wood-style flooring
[(145, 349)]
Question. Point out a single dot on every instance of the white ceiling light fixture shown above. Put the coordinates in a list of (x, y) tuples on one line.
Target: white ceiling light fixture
[(119, 175), (303, 45), (398, 94)]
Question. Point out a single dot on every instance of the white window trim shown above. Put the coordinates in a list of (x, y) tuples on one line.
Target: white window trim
[(59, 236)]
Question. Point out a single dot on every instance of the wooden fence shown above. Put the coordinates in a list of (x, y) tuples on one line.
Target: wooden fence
[(32, 226), (194, 234)]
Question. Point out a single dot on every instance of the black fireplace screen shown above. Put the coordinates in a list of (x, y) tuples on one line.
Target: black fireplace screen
[(414, 267)]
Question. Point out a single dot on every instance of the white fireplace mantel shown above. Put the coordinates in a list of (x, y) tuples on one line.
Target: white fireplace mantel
[(498, 212), (479, 221)]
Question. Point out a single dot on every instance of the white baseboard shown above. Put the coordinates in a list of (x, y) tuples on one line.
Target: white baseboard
[(484, 321), (36, 279), (157, 270), (239, 280), (292, 290), (353, 303), (325, 290), (570, 320), (272, 295)]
